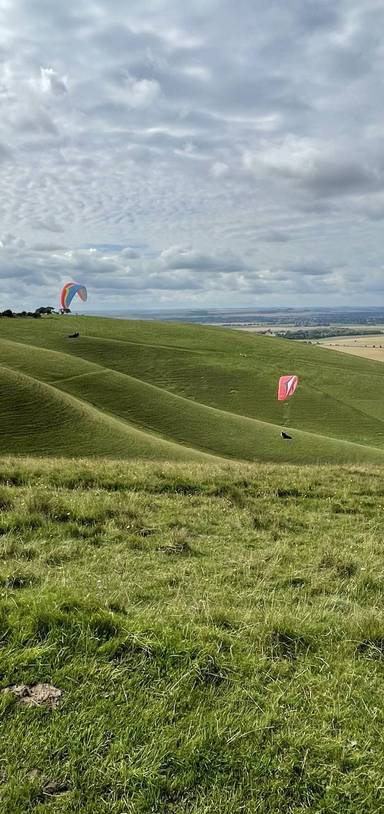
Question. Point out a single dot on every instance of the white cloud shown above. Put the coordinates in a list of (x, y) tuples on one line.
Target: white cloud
[(227, 166), (200, 72), (51, 82), (291, 156), (137, 93), (219, 169)]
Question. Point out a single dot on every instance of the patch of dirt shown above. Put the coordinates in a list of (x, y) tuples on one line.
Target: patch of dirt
[(36, 695), (371, 648), (146, 532), (52, 789), (49, 788), (287, 645)]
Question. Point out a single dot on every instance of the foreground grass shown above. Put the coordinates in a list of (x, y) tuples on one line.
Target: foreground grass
[(217, 632)]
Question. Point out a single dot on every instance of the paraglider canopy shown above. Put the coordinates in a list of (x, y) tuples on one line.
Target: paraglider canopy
[(69, 291), (287, 387)]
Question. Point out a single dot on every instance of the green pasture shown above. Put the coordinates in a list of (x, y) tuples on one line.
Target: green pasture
[(150, 389)]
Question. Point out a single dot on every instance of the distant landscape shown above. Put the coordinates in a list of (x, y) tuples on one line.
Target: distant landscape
[(304, 317), (308, 323)]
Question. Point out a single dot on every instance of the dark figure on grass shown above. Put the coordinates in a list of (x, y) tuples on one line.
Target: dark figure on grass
[(286, 436), (73, 336)]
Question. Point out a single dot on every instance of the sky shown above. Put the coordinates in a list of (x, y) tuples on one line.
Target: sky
[(200, 154)]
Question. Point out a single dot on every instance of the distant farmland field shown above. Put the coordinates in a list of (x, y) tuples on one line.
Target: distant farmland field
[(368, 347)]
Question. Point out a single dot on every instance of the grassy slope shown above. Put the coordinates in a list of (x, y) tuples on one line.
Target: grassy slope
[(218, 635), (163, 378), (35, 418)]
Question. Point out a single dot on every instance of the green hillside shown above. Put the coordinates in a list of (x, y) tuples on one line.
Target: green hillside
[(148, 389), (215, 633)]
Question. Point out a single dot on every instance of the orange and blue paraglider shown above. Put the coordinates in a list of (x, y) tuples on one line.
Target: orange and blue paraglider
[(69, 291), (287, 387)]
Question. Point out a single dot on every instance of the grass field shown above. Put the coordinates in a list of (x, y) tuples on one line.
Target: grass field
[(216, 632), (211, 631), (128, 389)]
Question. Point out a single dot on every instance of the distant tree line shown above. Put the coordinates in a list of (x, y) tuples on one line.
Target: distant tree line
[(37, 314), (323, 333)]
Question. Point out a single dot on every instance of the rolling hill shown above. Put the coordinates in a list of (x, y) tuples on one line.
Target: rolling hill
[(132, 389)]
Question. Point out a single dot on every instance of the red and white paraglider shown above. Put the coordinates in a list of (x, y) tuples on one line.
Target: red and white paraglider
[(286, 388)]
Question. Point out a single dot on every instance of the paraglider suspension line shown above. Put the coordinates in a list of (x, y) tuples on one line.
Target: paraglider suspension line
[(286, 412)]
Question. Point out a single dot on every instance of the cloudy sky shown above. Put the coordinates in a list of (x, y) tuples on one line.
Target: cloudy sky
[(208, 153)]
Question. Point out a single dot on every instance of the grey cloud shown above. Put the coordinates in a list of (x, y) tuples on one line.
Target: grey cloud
[(308, 270), (313, 16), (371, 208), (129, 253), (274, 236), (5, 153), (9, 241), (141, 50), (250, 134), (47, 247), (329, 178), (320, 169), (180, 281), (178, 258), (49, 225), (350, 62), (114, 279), (37, 122)]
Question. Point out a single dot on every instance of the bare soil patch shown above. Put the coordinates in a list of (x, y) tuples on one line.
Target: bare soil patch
[(36, 695)]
